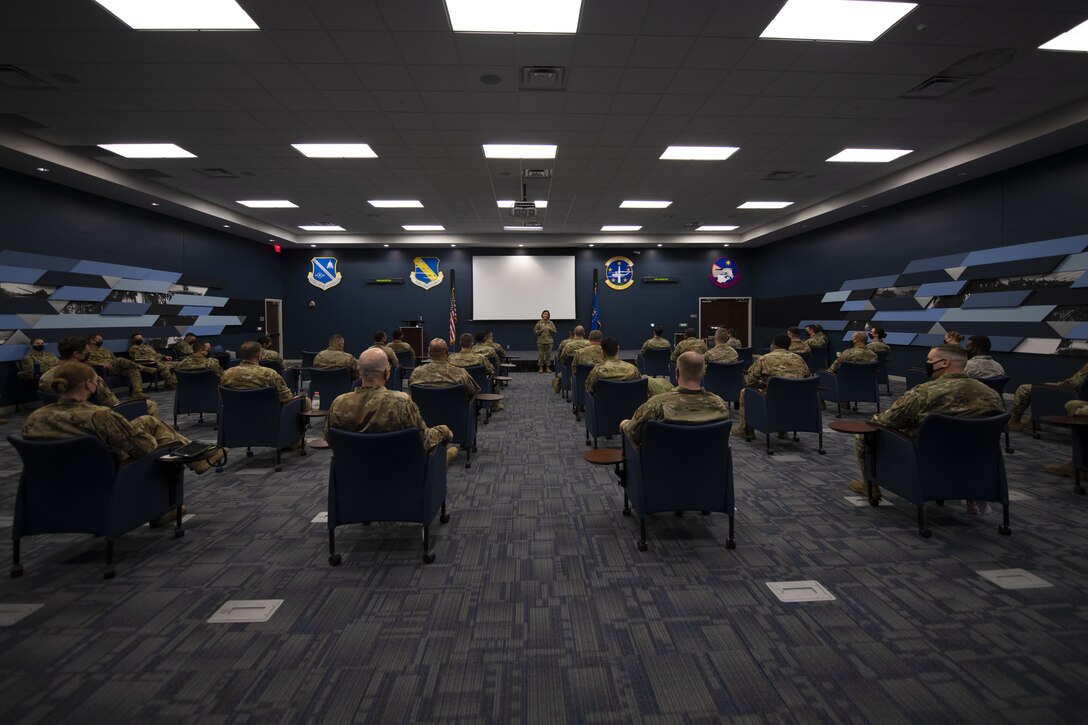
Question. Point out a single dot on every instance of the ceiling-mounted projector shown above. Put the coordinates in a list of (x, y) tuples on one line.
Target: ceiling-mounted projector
[(523, 209)]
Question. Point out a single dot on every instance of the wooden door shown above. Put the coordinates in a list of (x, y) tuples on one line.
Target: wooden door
[(732, 312), (273, 321)]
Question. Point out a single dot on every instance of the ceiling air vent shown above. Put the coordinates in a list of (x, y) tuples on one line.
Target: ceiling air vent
[(19, 80), (780, 175), (543, 78), (217, 173), (538, 173)]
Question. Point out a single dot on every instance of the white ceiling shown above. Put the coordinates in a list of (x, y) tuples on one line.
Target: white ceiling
[(642, 75)]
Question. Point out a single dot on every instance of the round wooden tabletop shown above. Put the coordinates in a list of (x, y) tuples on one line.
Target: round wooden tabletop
[(488, 397), (851, 426), (503, 378), (604, 456), (318, 444), (314, 413), (1071, 421)]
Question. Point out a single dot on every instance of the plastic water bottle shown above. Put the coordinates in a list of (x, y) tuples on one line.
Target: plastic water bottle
[(315, 402)]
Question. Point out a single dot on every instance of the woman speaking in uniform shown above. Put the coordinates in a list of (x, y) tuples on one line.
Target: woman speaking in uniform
[(544, 331)]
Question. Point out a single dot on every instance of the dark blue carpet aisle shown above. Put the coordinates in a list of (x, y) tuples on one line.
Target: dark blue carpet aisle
[(539, 608)]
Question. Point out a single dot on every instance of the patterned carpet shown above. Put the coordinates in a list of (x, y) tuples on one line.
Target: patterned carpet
[(539, 608)]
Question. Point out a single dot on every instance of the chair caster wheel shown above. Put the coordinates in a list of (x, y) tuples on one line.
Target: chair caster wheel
[(730, 544), (588, 443), (16, 571), (705, 513), (1079, 490), (218, 469), (822, 452), (926, 533), (468, 465), (428, 558), (279, 468), (302, 453), (874, 502), (249, 454), (444, 518), (366, 523), (1004, 530), (110, 573), (627, 512), (178, 533), (334, 560), (642, 546)]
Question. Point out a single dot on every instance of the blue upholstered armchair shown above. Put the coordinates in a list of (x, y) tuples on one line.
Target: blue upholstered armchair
[(578, 388), (385, 477), (853, 383), (655, 362), (614, 401), (331, 383), (653, 485), (788, 405), (449, 405), (73, 486), (950, 458), (255, 417), (725, 379), (198, 392)]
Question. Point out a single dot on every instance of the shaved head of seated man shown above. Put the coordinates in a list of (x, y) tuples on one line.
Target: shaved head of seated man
[(722, 350), (440, 372), (688, 403)]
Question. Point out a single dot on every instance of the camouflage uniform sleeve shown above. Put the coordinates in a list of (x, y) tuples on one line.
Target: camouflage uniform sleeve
[(26, 368), (431, 436), (650, 410), (216, 367), (1074, 383), (757, 378), (119, 435), (592, 378), (488, 367), (834, 366), (905, 413), (282, 390), (470, 383)]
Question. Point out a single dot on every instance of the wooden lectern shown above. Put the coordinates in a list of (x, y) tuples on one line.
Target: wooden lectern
[(414, 336)]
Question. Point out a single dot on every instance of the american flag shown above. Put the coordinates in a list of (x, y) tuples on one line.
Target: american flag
[(453, 316)]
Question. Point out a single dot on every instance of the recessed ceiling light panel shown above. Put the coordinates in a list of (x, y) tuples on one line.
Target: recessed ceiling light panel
[(423, 227), (519, 151), (268, 203), (396, 204), (1075, 40), (524, 229), (846, 20), (180, 15), (322, 228), (698, 153), (336, 150), (869, 156), (716, 228), (620, 228), (635, 204), (147, 150), (514, 16), (765, 205)]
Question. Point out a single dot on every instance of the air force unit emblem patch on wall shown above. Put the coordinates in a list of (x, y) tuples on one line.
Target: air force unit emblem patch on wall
[(426, 274), (619, 273), (724, 273), (323, 274)]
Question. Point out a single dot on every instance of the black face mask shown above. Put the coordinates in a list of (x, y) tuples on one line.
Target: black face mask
[(39, 348), (96, 344), (929, 369), (139, 341)]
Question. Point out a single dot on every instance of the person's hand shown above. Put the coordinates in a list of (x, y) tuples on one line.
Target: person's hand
[(107, 365), (167, 358), (449, 435), (623, 425)]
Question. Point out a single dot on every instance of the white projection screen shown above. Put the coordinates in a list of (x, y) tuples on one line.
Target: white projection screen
[(518, 287)]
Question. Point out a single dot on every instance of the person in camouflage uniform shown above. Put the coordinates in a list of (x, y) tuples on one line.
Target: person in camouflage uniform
[(489, 338), (563, 344), (334, 357), (979, 363), (74, 349), (816, 336), (797, 345), (146, 355), (200, 360), (949, 392), (590, 354), (399, 345), (657, 342), (722, 350), (953, 338), (574, 345), (544, 329), (1076, 409), (390, 353), (690, 342), (36, 355), (778, 363), (1022, 398), (267, 353), (249, 374), (440, 372), (733, 340), (183, 348), (466, 358), (105, 359), (481, 347), (74, 415), (612, 368), (371, 408), (877, 335), (688, 403), (858, 352)]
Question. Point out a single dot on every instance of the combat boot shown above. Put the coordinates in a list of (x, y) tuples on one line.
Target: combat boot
[(1060, 469), (1015, 424)]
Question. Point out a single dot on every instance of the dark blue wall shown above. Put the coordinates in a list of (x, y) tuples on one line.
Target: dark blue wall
[(357, 310), (1042, 200)]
